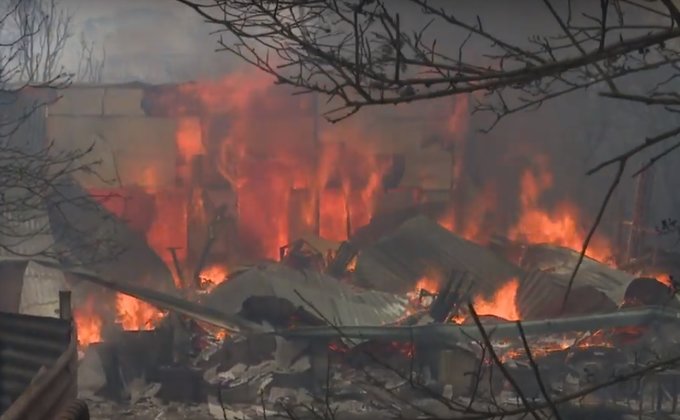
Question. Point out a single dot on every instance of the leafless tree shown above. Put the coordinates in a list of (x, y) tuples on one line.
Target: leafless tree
[(90, 65), (363, 53), (36, 176), (49, 29), (42, 53)]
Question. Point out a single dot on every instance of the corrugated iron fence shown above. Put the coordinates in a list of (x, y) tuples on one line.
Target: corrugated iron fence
[(38, 367)]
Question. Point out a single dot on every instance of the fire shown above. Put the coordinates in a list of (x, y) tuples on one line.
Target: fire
[(333, 215), (88, 324), (448, 221), (134, 315), (189, 144), (260, 139), (476, 228), (169, 229), (664, 279), (560, 227), (502, 304), (212, 276), (426, 283)]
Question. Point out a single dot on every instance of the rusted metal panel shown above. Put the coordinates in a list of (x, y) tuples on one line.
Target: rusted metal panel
[(38, 365)]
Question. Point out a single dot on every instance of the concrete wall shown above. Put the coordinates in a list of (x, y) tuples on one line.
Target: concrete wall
[(130, 148)]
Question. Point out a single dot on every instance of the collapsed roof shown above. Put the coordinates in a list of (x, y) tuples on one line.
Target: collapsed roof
[(420, 247), (318, 294)]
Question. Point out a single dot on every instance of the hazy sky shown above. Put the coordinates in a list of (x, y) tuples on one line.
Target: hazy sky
[(146, 40)]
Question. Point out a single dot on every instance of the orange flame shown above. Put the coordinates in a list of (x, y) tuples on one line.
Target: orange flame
[(169, 229), (561, 227), (135, 315), (664, 279), (428, 284), (189, 144), (263, 163), (212, 276), (333, 215), (88, 324), (502, 304)]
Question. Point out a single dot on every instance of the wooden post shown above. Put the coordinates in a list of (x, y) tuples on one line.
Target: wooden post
[(317, 154), (65, 311)]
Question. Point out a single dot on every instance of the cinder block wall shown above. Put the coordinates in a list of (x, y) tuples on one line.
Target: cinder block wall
[(133, 149)]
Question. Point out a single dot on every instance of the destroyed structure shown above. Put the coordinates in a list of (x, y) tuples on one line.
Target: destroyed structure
[(313, 277)]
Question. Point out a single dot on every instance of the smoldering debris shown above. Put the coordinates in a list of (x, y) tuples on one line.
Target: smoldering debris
[(304, 344)]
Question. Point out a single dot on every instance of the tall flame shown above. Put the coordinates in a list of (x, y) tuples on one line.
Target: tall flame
[(259, 139), (135, 315), (88, 323), (560, 227), (503, 303)]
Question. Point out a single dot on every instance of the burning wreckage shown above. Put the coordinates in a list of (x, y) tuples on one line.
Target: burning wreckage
[(406, 322), (399, 312)]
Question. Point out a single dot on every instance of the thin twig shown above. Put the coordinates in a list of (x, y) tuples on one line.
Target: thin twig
[(499, 363), (537, 373), (593, 228)]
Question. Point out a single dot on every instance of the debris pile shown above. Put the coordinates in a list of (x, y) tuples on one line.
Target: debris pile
[(419, 322)]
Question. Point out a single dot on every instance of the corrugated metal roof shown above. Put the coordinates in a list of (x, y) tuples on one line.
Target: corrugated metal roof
[(40, 291), (339, 302), (87, 234), (560, 262), (541, 294), (420, 246), (449, 333), (28, 236)]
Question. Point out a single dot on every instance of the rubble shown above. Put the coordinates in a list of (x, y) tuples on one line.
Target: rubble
[(300, 343)]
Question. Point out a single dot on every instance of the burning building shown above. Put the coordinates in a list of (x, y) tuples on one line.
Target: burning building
[(237, 179)]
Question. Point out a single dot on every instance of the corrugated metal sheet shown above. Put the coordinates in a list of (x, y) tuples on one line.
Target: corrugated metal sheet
[(541, 294), (420, 246), (338, 302), (88, 235), (560, 262), (28, 236), (32, 346), (40, 291)]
